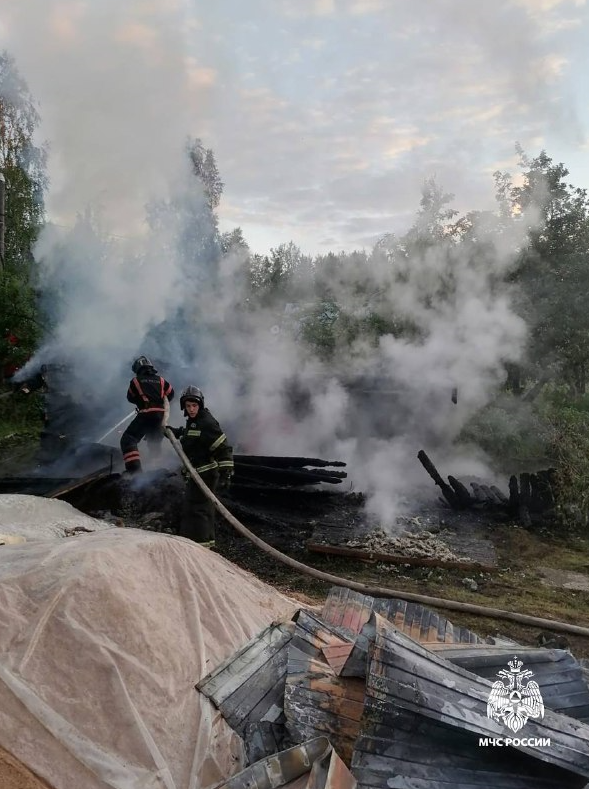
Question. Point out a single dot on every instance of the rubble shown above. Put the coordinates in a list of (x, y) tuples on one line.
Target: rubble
[(404, 698)]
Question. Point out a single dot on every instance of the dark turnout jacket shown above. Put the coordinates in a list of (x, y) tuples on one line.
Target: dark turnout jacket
[(147, 391), (205, 443)]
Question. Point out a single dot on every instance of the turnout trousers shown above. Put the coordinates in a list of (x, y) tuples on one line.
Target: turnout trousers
[(143, 425), (198, 513)]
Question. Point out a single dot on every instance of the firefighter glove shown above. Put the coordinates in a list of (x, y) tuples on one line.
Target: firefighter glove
[(225, 476)]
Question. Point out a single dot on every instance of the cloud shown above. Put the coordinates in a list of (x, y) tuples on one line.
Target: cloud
[(361, 7), (200, 77), (287, 103)]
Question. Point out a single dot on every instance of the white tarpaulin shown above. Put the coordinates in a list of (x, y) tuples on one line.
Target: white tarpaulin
[(37, 518), (102, 639)]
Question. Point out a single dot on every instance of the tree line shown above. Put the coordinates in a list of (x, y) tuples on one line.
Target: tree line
[(541, 221)]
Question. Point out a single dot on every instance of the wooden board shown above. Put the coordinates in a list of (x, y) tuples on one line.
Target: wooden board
[(407, 683)]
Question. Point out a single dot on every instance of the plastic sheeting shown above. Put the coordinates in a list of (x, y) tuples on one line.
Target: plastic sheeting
[(102, 638), (36, 518)]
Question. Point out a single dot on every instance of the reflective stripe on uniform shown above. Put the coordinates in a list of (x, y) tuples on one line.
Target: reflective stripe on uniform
[(218, 442), (225, 464), (192, 433), (140, 390), (208, 467), (133, 455)]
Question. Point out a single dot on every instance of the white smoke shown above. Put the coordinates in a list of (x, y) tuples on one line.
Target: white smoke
[(466, 328), (117, 101)]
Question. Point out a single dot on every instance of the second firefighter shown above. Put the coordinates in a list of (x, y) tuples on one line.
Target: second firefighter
[(208, 450)]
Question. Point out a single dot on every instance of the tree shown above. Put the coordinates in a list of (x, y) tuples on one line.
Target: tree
[(205, 169), (272, 277), (23, 166), (553, 270)]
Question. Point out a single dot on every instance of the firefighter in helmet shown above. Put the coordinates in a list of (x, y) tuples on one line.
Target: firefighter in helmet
[(147, 391), (208, 450), (64, 413)]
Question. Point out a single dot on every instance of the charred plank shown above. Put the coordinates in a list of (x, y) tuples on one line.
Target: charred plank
[(447, 491), (286, 462), (461, 491)]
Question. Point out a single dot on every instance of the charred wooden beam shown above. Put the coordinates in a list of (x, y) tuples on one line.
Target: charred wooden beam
[(500, 496), (490, 497), (546, 489), (447, 491), (461, 491), (286, 462), (478, 492), (524, 499), (285, 476), (513, 494)]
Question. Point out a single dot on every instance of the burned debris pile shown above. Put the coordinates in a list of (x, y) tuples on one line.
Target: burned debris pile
[(276, 496), (296, 471), (406, 699), (531, 499)]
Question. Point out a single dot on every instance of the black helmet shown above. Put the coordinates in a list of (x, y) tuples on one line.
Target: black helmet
[(142, 361), (191, 393)]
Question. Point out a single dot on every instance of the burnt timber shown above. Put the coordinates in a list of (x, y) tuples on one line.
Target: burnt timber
[(558, 672), (410, 688), (248, 689), (349, 611), (318, 702), (249, 470), (532, 497), (401, 713), (315, 759)]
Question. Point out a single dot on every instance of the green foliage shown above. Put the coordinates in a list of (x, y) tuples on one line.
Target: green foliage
[(23, 167), (552, 433), (20, 415), (570, 449), (512, 434), (553, 270)]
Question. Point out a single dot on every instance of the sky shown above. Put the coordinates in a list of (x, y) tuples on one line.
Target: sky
[(325, 116)]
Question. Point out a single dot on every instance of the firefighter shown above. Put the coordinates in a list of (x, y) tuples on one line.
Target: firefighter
[(65, 418), (207, 448), (147, 391)]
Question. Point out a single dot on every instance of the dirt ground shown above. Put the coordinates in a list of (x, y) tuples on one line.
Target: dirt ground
[(542, 572)]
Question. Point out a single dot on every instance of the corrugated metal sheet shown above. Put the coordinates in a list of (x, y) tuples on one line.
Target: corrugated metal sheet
[(312, 765), (316, 701), (557, 672), (349, 611), (422, 723), (248, 689)]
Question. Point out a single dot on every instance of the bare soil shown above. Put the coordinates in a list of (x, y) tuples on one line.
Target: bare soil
[(532, 572)]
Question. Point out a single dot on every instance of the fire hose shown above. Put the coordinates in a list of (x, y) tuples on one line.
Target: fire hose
[(372, 591)]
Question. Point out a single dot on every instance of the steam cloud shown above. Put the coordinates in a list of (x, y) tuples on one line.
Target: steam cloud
[(116, 100)]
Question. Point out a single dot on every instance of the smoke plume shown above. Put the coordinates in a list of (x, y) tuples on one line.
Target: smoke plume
[(137, 269)]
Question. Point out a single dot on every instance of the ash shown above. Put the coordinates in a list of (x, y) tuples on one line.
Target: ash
[(423, 545)]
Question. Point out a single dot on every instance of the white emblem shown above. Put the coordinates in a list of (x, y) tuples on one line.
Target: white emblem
[(513, 703)]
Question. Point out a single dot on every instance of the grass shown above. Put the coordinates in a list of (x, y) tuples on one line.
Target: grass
[(20, 417), (516, 585)]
